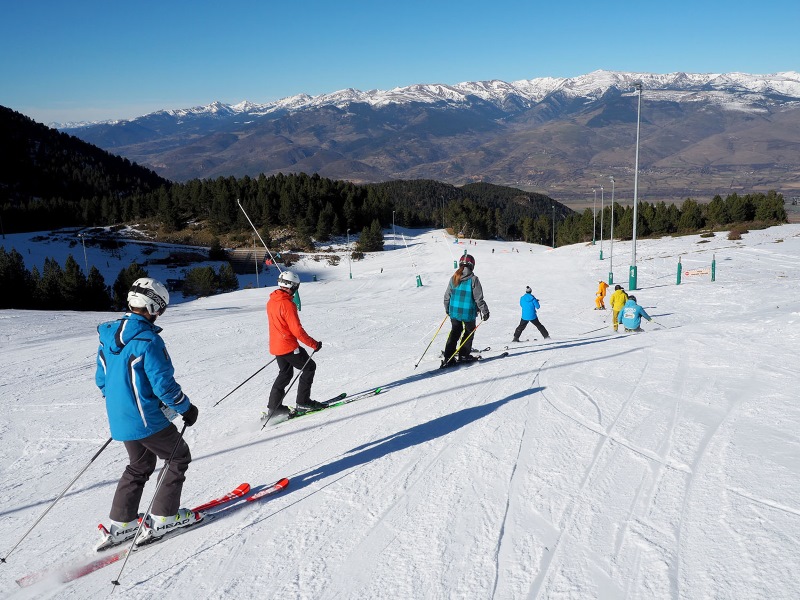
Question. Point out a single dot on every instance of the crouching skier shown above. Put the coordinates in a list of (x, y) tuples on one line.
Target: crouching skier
[(631, 315), (136, 376)]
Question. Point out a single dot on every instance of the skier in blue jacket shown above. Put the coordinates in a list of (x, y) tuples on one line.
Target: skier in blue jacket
[(631, 315), (136, 376), (529, 305), (463, 298)]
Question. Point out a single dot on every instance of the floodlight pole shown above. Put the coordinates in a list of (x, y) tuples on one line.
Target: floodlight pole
[(349, 264), (554, 226), (611, 254), (601, 222), (85, 260), (594, 216), (632, 276)]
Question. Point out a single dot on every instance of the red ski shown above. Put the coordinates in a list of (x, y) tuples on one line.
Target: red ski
[(276, 487), (238, 492), (70, 573)]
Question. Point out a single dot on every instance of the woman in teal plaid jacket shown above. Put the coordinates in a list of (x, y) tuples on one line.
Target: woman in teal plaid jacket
[(462, 301)]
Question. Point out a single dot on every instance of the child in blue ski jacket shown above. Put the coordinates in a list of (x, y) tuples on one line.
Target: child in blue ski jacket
[(136, 376), (529, 304), (631, 315)]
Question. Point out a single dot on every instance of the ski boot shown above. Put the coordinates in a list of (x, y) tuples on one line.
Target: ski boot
[(116, 533), (311, 405), (155, 527)]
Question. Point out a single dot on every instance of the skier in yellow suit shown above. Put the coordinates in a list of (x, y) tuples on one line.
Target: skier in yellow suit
[(617, 301), (600, 299)]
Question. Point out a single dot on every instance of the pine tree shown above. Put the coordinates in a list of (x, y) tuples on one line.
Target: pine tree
[(228, 281), (200, 281), (74, 285), (15, 281), (123, 283), (97, 295)]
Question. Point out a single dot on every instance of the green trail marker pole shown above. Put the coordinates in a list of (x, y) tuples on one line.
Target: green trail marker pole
[(678, 282), (714, 268)]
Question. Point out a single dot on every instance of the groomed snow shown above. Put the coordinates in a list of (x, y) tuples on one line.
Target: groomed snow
[(590, 465)]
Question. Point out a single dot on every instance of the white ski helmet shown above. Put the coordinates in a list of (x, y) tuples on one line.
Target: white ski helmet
[(289, 280), (148, 293)]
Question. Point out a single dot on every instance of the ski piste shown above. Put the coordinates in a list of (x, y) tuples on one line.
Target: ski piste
[(73, 572)]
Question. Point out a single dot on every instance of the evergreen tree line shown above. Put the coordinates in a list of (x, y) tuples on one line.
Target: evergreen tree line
[(67, 288), (662, 219)]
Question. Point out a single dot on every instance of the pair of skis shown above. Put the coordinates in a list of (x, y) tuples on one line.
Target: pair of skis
[(338, 400), (215, 508)]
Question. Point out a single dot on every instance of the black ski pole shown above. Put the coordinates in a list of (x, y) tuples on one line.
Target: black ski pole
[(53, 503), (431, 342), (313, 352), (161, 478), (245, 381)]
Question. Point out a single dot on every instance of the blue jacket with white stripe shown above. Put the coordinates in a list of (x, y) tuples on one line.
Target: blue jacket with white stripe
[(136, 376)]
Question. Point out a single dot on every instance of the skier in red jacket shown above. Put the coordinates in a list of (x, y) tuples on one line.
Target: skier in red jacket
[(285, 333)]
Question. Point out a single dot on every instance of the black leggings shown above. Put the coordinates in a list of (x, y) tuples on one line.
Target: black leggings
[(523, 323), (459, 327), (287, 363)]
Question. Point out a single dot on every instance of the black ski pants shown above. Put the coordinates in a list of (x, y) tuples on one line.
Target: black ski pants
[(457, 329), (143, 455), (523, 323), (287, 363)]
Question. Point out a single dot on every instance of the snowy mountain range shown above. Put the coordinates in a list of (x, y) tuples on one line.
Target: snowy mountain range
[(736, 91), (726, 125)]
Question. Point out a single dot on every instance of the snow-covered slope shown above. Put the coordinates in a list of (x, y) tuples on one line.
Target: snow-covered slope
[(590, 465)]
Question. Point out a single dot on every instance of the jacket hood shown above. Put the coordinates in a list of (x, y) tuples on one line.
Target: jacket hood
[(115, 335)]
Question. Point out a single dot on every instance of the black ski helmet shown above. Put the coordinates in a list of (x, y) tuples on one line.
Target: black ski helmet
[(617, 287), (632, 298), (467, 260)]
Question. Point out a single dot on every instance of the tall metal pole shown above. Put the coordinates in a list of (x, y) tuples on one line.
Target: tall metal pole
[(632, 276), (594, 216), (85, 260), (601, 222), (554, 226), (611, 257), (394, 231), (349, 264)]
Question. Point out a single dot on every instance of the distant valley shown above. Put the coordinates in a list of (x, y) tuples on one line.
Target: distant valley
[(700, 135)]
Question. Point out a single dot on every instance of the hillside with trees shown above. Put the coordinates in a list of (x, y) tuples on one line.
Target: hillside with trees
[(50, 179)]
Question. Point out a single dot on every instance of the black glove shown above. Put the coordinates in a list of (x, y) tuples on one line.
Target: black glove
[(485, 316), (190, 416), (319, 347)]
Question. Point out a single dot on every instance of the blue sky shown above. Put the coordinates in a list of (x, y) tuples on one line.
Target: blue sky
[(87, 60)]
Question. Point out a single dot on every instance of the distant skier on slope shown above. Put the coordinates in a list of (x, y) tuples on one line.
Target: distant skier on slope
[(600, 297), (529, 304), (284, 332), (136, 376), (631, 315), (463, 298)]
